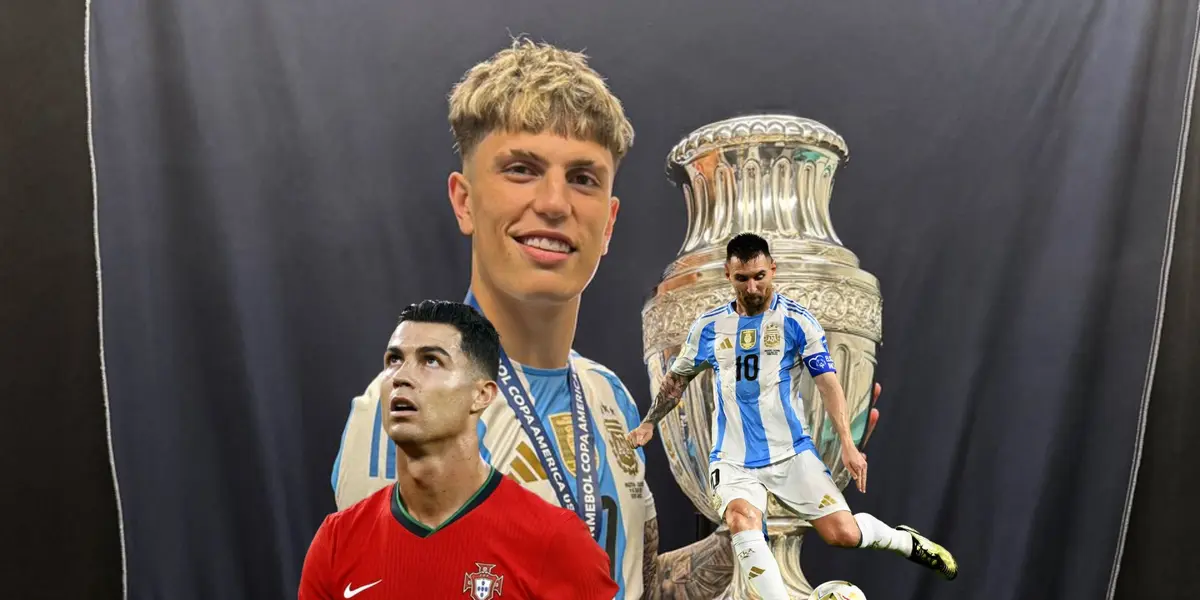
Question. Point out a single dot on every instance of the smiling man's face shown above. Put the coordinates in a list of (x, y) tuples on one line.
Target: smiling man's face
[(540, 212)]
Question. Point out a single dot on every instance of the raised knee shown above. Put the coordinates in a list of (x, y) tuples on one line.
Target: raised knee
[(741, 516), (845, 535)]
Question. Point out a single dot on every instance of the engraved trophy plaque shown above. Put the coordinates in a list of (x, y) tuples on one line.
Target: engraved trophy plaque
[(771, 175)]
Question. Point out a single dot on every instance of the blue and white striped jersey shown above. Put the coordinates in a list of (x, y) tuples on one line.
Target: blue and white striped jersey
[(756, 364)]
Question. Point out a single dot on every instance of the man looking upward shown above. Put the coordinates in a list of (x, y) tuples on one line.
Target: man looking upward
[(758, 346), (451, 526)]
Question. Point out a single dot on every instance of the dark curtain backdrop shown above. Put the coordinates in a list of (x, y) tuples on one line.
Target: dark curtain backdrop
[(1160, 554), (60, 530), (271, 178)]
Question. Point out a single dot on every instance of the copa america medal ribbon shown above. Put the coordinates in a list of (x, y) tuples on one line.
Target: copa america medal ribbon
[(585, 447)]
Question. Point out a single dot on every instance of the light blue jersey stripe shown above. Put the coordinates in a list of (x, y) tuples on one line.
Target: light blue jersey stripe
[(747, 365), (391, 460), (719, 445), (376, 431), (706, 352), (481, 429), (785, 386)]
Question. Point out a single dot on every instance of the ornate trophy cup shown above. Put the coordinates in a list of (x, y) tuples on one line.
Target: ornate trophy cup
[(771, 175)]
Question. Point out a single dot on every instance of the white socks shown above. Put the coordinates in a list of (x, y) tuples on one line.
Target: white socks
[(877, 534), (762, 572), (758, 565)]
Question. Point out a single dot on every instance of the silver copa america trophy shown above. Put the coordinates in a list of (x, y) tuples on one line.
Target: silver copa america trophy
[(771, 175)]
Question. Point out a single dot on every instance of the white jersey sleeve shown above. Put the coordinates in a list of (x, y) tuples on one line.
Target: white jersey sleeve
[(696, 355), (365, 460), (814, 350)]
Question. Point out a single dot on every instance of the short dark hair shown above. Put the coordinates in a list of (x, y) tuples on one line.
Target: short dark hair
[(746, 246), (480, 341)]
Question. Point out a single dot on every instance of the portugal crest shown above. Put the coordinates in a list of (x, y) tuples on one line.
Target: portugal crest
[(483, 584)]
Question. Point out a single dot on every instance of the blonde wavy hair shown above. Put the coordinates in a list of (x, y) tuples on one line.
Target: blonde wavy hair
[(537, 88)]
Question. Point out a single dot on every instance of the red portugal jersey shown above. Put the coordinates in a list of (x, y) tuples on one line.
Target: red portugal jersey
[(506, 543)]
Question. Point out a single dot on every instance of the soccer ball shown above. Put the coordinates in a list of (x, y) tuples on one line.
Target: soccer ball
[(837, 590)]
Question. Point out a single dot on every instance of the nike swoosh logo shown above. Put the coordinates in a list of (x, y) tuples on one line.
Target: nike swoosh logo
[(350, 593)]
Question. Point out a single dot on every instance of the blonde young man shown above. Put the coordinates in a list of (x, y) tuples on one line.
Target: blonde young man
[(541, 138)]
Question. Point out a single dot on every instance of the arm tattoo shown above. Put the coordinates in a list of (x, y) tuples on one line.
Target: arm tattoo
[(649, 559), (669, 395), (701, 570)]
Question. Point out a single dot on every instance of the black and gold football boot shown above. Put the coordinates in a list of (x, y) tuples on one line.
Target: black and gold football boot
[(928, 554)]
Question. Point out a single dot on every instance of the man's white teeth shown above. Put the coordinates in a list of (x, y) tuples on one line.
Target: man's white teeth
[(546, 244)]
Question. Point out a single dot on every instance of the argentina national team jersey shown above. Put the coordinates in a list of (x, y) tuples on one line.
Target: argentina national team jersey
[(366, 460), (757, 363)]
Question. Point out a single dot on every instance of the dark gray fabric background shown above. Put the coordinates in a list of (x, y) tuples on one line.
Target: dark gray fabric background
[(61, 528), (272, 175), (1160, 556)]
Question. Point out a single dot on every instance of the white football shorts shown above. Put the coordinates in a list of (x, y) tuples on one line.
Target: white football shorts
[(800, 482)]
